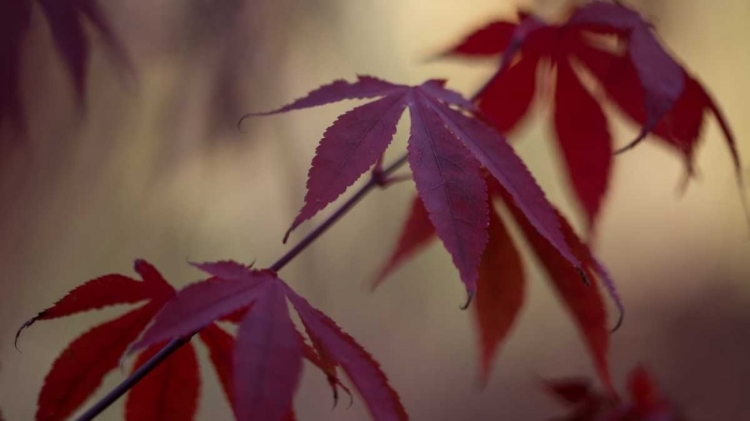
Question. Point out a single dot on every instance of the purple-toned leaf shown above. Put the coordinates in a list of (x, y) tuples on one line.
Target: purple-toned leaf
[(451, 187), (382, 401), (319, 357), (609, 14), (491, 149), (267, 360), (226, 269), (435, 88), (662, 78), (349, 147), (584, 302), (201, 303)]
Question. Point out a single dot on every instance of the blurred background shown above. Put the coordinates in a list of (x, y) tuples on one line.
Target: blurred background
[(154, 167)]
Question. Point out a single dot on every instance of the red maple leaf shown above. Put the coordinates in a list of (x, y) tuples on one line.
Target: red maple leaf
[(268, 353), (642, 79), (645, 402), (446, 151), (501, 279), (170, 392), (66, 21)]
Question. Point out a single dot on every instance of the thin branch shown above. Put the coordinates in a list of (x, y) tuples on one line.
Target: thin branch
[(379, 179)]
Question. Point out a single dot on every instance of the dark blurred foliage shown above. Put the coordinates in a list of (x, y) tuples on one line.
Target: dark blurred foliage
[(66, 21)]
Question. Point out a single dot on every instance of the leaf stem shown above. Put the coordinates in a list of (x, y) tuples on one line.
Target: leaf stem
[(379, 178)]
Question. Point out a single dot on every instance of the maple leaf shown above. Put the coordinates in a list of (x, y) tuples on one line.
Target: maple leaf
[(500, 291), (66, 22), (268, 352), (644, 81), (500, 295), (221, 344), (79, 370), (645, 401), (170, 392), (446, 150)]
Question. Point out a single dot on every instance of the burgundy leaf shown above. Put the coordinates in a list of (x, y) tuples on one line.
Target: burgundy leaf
[(491, 149), (661, 77), (584, 301), (681, 126), (319, 357), (500, 292), (153, 279), (220, 346), (80, 368), (491, 39), (584, 139), (646, 82), (267, 360), (451, 187), (106, 291), (201, 303), (349, 147), (382, 401), (170, 391), (506, 98), (571, 391), (594, 266), (417, 232), (95, 294)]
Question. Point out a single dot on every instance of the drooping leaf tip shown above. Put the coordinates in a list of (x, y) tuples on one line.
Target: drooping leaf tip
[(469, 299), (25, 325), (242, 120), (620, 319), (634, 143), (286, 235)]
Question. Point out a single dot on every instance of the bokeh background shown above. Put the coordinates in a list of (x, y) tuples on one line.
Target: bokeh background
[(156, 169)]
